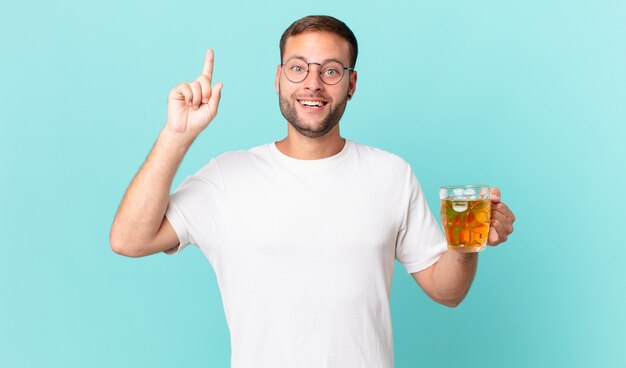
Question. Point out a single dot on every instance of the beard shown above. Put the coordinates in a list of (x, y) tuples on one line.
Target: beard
[(334, 114)]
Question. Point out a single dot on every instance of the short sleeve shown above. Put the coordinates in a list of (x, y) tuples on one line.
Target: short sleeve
[(420, 242), (196, 210)]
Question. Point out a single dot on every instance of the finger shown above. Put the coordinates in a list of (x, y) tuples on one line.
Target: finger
[(207, 70), (503, 209), (214, 101), (497, 233), (506, 222), (197, 94), (205, 85), (500, 228), (493, 238), (182, 92), (494, 194)]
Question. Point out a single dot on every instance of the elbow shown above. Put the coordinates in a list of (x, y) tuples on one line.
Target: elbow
[(451, 302), (118, 245), (122, 246)]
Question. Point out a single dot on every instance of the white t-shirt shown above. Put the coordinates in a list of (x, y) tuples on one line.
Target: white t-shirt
[(303, 251)]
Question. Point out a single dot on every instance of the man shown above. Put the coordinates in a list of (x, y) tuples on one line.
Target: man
[(302, 233)]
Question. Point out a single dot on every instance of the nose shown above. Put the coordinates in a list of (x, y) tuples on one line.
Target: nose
[(313, 81)]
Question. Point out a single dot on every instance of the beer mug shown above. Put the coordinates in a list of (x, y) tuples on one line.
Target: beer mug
[(465, 215)]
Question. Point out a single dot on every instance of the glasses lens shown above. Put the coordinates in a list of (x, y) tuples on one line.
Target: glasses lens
[(331, 72), (296, 70)]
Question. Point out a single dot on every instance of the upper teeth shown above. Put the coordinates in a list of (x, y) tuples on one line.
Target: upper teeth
[(312, 103)]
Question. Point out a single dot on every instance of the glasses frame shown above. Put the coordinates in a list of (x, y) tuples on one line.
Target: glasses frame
[(308, 69)]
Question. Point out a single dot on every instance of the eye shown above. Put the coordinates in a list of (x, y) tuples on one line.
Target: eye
[(331, 72), (297, 69)]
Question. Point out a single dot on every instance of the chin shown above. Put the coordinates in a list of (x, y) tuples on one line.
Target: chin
[(313, 129)]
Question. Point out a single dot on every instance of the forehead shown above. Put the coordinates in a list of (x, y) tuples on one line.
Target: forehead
[(317, 47)]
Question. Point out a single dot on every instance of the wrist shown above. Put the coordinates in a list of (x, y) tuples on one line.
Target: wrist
[(176, 140)]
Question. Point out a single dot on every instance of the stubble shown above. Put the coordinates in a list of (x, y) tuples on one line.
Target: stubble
[(288, 109)]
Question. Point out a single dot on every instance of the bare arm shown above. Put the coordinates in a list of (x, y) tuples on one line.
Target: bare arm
[(449, 279), (140, 227)]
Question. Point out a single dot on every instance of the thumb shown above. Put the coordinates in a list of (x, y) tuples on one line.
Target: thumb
[(494, 195)]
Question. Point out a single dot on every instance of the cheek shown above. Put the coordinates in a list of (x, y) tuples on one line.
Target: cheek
[(341, 94), (283, 96), (284, 90)]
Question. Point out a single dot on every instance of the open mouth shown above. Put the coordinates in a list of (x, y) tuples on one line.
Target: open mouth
[(313, 104)]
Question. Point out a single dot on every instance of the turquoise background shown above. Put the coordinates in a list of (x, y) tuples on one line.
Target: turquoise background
[(528, 96)]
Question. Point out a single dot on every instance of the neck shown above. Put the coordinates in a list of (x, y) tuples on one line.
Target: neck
[(297, 146)]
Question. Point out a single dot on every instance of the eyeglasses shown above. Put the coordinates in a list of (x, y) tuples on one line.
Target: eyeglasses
[(331, 72)]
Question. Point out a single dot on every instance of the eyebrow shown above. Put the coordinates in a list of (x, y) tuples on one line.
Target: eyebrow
[(306, 61)]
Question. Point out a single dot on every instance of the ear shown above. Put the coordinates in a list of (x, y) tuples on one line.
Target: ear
[(277, 80), (352, 84)]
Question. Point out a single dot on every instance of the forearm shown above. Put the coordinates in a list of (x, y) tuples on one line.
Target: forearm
[(143, 207), (452, 277)]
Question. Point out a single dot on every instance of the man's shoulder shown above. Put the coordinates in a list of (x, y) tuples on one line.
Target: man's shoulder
[(379, 156), (242, 155), (375, 151), (241, 162)]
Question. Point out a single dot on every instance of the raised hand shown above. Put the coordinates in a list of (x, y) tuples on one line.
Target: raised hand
[(501, 219), (192, 106)]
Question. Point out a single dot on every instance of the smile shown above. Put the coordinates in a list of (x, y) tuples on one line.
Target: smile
[(312, 104)]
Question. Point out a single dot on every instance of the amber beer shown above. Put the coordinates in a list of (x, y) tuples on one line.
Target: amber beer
[(465, 214)]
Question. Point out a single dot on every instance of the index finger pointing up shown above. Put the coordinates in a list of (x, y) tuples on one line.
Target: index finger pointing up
[(207, 70)]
